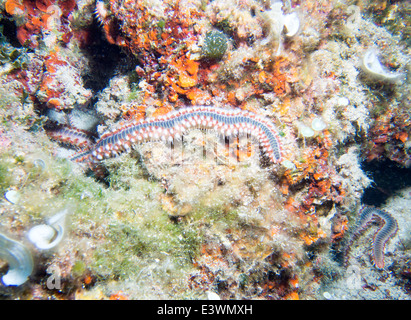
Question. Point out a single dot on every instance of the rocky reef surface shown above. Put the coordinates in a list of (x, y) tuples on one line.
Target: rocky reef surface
[(105, 196)]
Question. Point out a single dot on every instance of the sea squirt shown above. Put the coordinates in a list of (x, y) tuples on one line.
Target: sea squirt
[(373, 67), (48, 236), (19, 259)]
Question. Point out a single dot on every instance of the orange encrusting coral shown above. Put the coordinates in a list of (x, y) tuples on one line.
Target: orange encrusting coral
[(52, 63), (389, 135), (214, 257), (339, 227), (309, 239), (314, 171), (119, 296), (14, 7), (36, 16), (280, 77), (161, 44), (133, 112)]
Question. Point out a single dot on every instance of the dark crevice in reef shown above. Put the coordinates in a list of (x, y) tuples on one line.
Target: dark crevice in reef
[(9, 30), (388, 178), (106, 60)]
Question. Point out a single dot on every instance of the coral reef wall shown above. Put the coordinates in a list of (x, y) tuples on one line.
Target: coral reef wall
[(207, 214)]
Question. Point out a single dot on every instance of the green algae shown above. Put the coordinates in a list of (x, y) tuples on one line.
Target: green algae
[(224, 26), (132, 237), (139, 231), (129, 246), (5, 178), (124, 223), (215, 45)]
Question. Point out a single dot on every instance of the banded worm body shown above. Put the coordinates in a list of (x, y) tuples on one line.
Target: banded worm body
[(71, 136), (174, 124), (388, 228)]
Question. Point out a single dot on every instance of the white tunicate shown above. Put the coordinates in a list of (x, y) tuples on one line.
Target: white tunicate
[(354, 17), (277, 23), (42, 235), (318, 124), (291, 24), (288, 164), (86, 195), (305, 131), (19, 260), (343, 101), (48, 236), (372, 66), (327, 295), (280, 23), (212, 296), (39, 163), (12, 196)]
